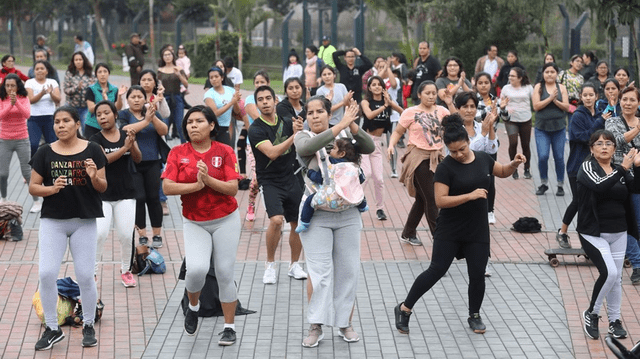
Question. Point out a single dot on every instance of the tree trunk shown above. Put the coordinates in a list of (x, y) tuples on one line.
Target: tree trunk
[(240, 52), (634, 38), (100, 28)]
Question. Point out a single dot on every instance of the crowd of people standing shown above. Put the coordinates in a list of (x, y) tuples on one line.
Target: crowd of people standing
[(105, 154)]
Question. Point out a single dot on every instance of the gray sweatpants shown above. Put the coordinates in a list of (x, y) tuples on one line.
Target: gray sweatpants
[(123, 215), (53, 236), (607, 253), (332, 250), (23, 149), (218, 237)]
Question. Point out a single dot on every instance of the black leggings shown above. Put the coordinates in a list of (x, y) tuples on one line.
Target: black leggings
[(425, 203), (491, 196), (572, 209), (524, 130), (150, 171), (477, 255)]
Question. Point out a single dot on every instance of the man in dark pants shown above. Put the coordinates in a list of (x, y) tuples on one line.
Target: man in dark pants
[(135, 51), (350, 74)]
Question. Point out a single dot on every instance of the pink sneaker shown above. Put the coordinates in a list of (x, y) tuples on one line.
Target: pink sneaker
[(128, 280), (251, 215)]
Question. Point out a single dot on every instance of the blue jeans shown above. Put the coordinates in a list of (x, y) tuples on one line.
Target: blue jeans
[(176, 104), (555, 140), (633, 249), (38, 126), (82, 111)]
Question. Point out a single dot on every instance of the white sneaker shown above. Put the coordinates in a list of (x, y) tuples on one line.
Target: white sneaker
[(37, 207), (270, 276), (296, 271), (492, 218), (394, 174)]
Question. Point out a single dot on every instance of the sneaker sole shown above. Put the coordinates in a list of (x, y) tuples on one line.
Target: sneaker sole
[(266, 281), (197, 329), (225, 344), (404, 240), (85, 345), (128, 286), (617, 336), (52, 343), (479, 331), (584, 327), (314, 344), (298, 278), (357, 339)]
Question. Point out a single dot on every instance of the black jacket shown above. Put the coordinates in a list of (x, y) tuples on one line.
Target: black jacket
[(503, 76), (591, 180), (284, 109), (352, 78)]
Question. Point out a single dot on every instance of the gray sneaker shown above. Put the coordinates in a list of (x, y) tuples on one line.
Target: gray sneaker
[(563, 240), (635, 276), (414, 241), (314, 337), (156, 242)]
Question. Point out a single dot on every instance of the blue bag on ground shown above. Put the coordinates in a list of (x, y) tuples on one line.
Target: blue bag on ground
[(155, 263)]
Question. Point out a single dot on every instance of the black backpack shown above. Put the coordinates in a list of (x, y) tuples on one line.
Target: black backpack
[(527, 225)]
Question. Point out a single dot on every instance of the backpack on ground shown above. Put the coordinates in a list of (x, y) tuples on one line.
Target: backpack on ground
[(11, 221), (527, 225), (154, 263)]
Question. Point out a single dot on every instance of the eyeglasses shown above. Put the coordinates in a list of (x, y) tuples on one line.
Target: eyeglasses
[(604, 144)]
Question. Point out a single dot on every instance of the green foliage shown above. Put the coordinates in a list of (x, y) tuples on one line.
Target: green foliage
[(65, 49), (207, 51), (627, 12), (464, 30)]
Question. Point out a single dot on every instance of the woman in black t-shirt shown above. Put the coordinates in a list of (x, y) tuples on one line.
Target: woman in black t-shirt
[(377, 120), (118, 201), (461, 185), (69, 174)]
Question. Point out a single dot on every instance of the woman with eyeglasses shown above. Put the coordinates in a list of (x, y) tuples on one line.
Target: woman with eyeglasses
[(603, 221), (599, 78)]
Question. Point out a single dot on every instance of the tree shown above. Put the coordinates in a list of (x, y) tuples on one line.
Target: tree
[(624, 12), (243, 15), (465, 31)]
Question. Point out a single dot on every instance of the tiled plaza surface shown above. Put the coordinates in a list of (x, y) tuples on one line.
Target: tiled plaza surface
[(531, 309)]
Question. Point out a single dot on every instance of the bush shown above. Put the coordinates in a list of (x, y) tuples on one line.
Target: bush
[(65, 49), (207, 51)]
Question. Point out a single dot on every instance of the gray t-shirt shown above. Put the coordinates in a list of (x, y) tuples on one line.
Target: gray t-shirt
[(339, 92), (444, 83)]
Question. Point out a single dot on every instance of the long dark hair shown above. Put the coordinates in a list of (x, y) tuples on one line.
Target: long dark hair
[(289, 81), (454, 130), (86, 65), (161, 61), (208, 114), (445, 72), (155, 79), (544, 67), (522, 74), (483, 74), (73, 113), (21, 90), (369, 95)]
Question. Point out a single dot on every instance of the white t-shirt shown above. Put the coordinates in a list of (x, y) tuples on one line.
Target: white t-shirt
[(519, 106), (235, 76), (46, 106), (393, 93), (491, 67)]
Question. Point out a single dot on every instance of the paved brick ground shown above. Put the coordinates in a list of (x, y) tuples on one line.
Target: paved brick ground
[(531, 310)]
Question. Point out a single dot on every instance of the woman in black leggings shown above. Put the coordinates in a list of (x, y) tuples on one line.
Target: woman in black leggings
[(461, 185)]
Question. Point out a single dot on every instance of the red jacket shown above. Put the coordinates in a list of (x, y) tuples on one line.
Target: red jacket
[(5, 71)]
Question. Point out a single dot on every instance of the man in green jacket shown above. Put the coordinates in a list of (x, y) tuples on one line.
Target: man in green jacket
[(326, 51)]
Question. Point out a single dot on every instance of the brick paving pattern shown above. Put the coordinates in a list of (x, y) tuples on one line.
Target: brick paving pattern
[(531, 309)]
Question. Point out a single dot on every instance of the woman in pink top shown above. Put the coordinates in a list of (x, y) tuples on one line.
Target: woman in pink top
[(15, 109), (311, 76), (424, 152)]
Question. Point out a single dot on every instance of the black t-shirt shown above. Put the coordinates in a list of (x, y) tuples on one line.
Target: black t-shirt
[(78, 199), (383, 120), (280, 171), (427, 70), (118, 173), (468, 221), (610, 209)]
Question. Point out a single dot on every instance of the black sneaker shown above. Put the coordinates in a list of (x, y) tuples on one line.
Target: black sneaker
[(144, 240), (49, 337), (228, 337), (563, 241), (616, 330), (402, 319), (527, 174), (157, 242), (476, 324), (542, 189), (591, 325), (191, 322), (560, 192), (89, 336), (381, 215), (414, 241), (515, 175), (635, 276)]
